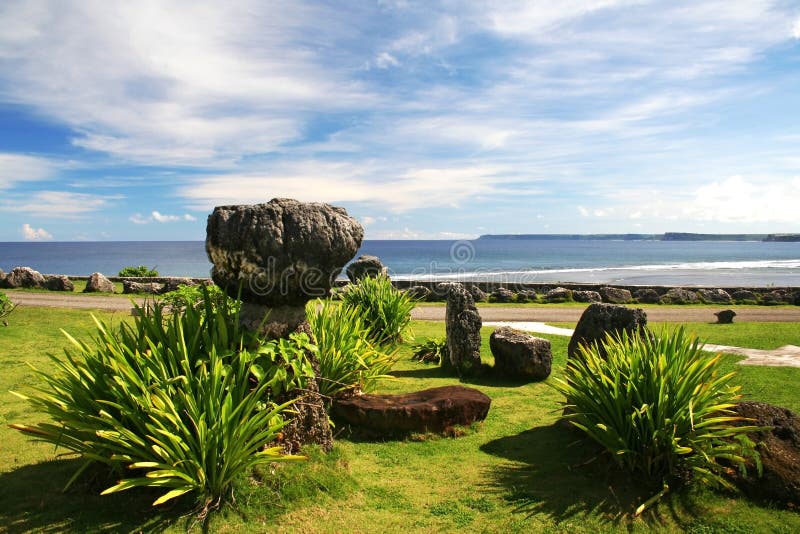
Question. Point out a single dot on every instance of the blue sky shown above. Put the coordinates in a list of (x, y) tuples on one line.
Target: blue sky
[(132, 120)]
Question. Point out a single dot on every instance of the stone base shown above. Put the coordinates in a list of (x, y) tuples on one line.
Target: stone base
[(273, 323)]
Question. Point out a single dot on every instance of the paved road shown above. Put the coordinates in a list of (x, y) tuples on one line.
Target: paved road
[(548, 312)]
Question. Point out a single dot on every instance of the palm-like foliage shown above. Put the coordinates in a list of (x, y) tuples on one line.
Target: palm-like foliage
[(6, 307), (385, 310)]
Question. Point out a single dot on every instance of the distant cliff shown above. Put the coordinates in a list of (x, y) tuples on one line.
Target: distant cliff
[(793, 238), (668, 236), (684, 236)]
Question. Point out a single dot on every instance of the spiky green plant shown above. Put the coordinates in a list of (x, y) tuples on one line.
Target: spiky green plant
[(6, 307), (348, 360), (660, 406), (385, 310), (432, 351), (195, 296)]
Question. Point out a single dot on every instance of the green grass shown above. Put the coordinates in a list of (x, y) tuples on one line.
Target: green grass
[(516, 472)]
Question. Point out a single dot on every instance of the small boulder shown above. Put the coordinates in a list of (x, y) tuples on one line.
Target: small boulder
[(774, 298), (477, 293), (615, 295), (174, 284), (745, 296), (98, 283), (59, 283), (463, 329), (430, 410), (601, 319), (559, 294), (150, 288), (779, 447), (364, 266), (419, 293), (520, 356), (2, 278), (586, 296), (501, 294), (714, 296), (679, 295), (526, 295), (725, 316), (647, 296), (25, 277), (796, 298)]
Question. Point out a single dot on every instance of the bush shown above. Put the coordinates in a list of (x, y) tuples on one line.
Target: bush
[(195, 297), (6, 307), (349, 362), (138, 272), (660, 407), (180, 402), (432, 351), (385, 310)]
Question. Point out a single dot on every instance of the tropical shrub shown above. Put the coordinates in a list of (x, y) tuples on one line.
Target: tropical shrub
[(660, 406), (6, 307), (181, 402), (140, 271), (432, 351), (385, 310), (195, 297), (349, 362)]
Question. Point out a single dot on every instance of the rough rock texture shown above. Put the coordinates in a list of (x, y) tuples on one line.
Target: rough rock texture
[(519, 355), (586, 296), (151, 288), (463, 327), (725, 316), (477, 294), (24, 277), (599, 319), (98, 283), (772, 298), (430, 410), (744, 296), (441, 290), (366, 265), (796, 298), (647, 296), (59, 283), (715, 296), (558, 294), (418, 292), (174, 284), (501, 294), (526, 295), (2, 278), (679, 295), (615, 295), (780, 452), (283, 252)]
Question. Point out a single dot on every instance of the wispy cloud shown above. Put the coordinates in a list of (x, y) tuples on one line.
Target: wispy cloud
[(35, 234), (17, 168), (60, 204), (158, 217)]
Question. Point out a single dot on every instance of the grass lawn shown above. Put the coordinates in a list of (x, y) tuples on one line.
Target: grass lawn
[(516, 472)]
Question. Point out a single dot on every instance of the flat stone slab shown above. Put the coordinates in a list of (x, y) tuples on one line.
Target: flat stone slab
[(429, 410)]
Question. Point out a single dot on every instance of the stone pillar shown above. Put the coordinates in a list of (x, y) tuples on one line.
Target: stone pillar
[(463, 332), (277, 256)]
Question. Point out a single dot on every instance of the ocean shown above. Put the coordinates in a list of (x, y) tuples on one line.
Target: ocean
[(686, 263)]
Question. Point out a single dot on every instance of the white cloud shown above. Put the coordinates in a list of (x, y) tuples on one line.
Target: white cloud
[(35, 234), (59, 204), (15, 168), (796, 29), (736, 199), (159, 217), (385, 60), (583, 211)]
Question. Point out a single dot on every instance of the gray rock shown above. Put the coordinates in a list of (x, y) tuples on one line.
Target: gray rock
[(98, 283), (586, 296), (442, 289), (2, 278), (725, 316), (558, 294), (601, 319), (418, 292), (174, 284), (24, 277), (366, 265), (615, 295), (282, 253), (714, 296), (150, 288), (796, 298), (679, 295), (527, 295), (59, 283), (477, 294), (519, 355), (463, 327), (501, 294), (647, 296), (745, 296), (773, 298)]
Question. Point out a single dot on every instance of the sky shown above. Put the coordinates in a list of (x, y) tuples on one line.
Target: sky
[(426, 120)]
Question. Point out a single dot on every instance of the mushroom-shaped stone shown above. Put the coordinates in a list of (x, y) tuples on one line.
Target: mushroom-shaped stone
[(601, 319), (282, 253), (725, 316), (98, 283), (364, 266), (520, 356)]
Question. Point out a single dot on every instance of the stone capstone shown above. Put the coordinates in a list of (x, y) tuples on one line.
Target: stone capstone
[(586, 296), (282, 253), (98, 283), (430, 410), (779, 447), (679, 295), (24, 277), (647, 296), (364, 266), (59, 282), (601, 319), (615, 295), (150, 288), (520, 356), (725, 316), (558, 294), (714, 296), (463, 328)]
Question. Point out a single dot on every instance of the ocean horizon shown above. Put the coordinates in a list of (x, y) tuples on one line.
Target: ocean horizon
[(704, 263)]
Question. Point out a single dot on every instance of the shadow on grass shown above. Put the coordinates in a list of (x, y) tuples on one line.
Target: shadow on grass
[(32, 500), (486, 377), (554, 471)]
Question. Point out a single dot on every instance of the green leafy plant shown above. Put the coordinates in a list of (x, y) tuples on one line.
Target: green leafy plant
[(348, 360), (141, 271), (385, 310), (195, 297), (180, 401), (661, 407), (432, 351), (6, 308)]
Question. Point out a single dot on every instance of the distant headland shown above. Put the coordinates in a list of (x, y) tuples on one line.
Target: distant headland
[(667, 236)]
